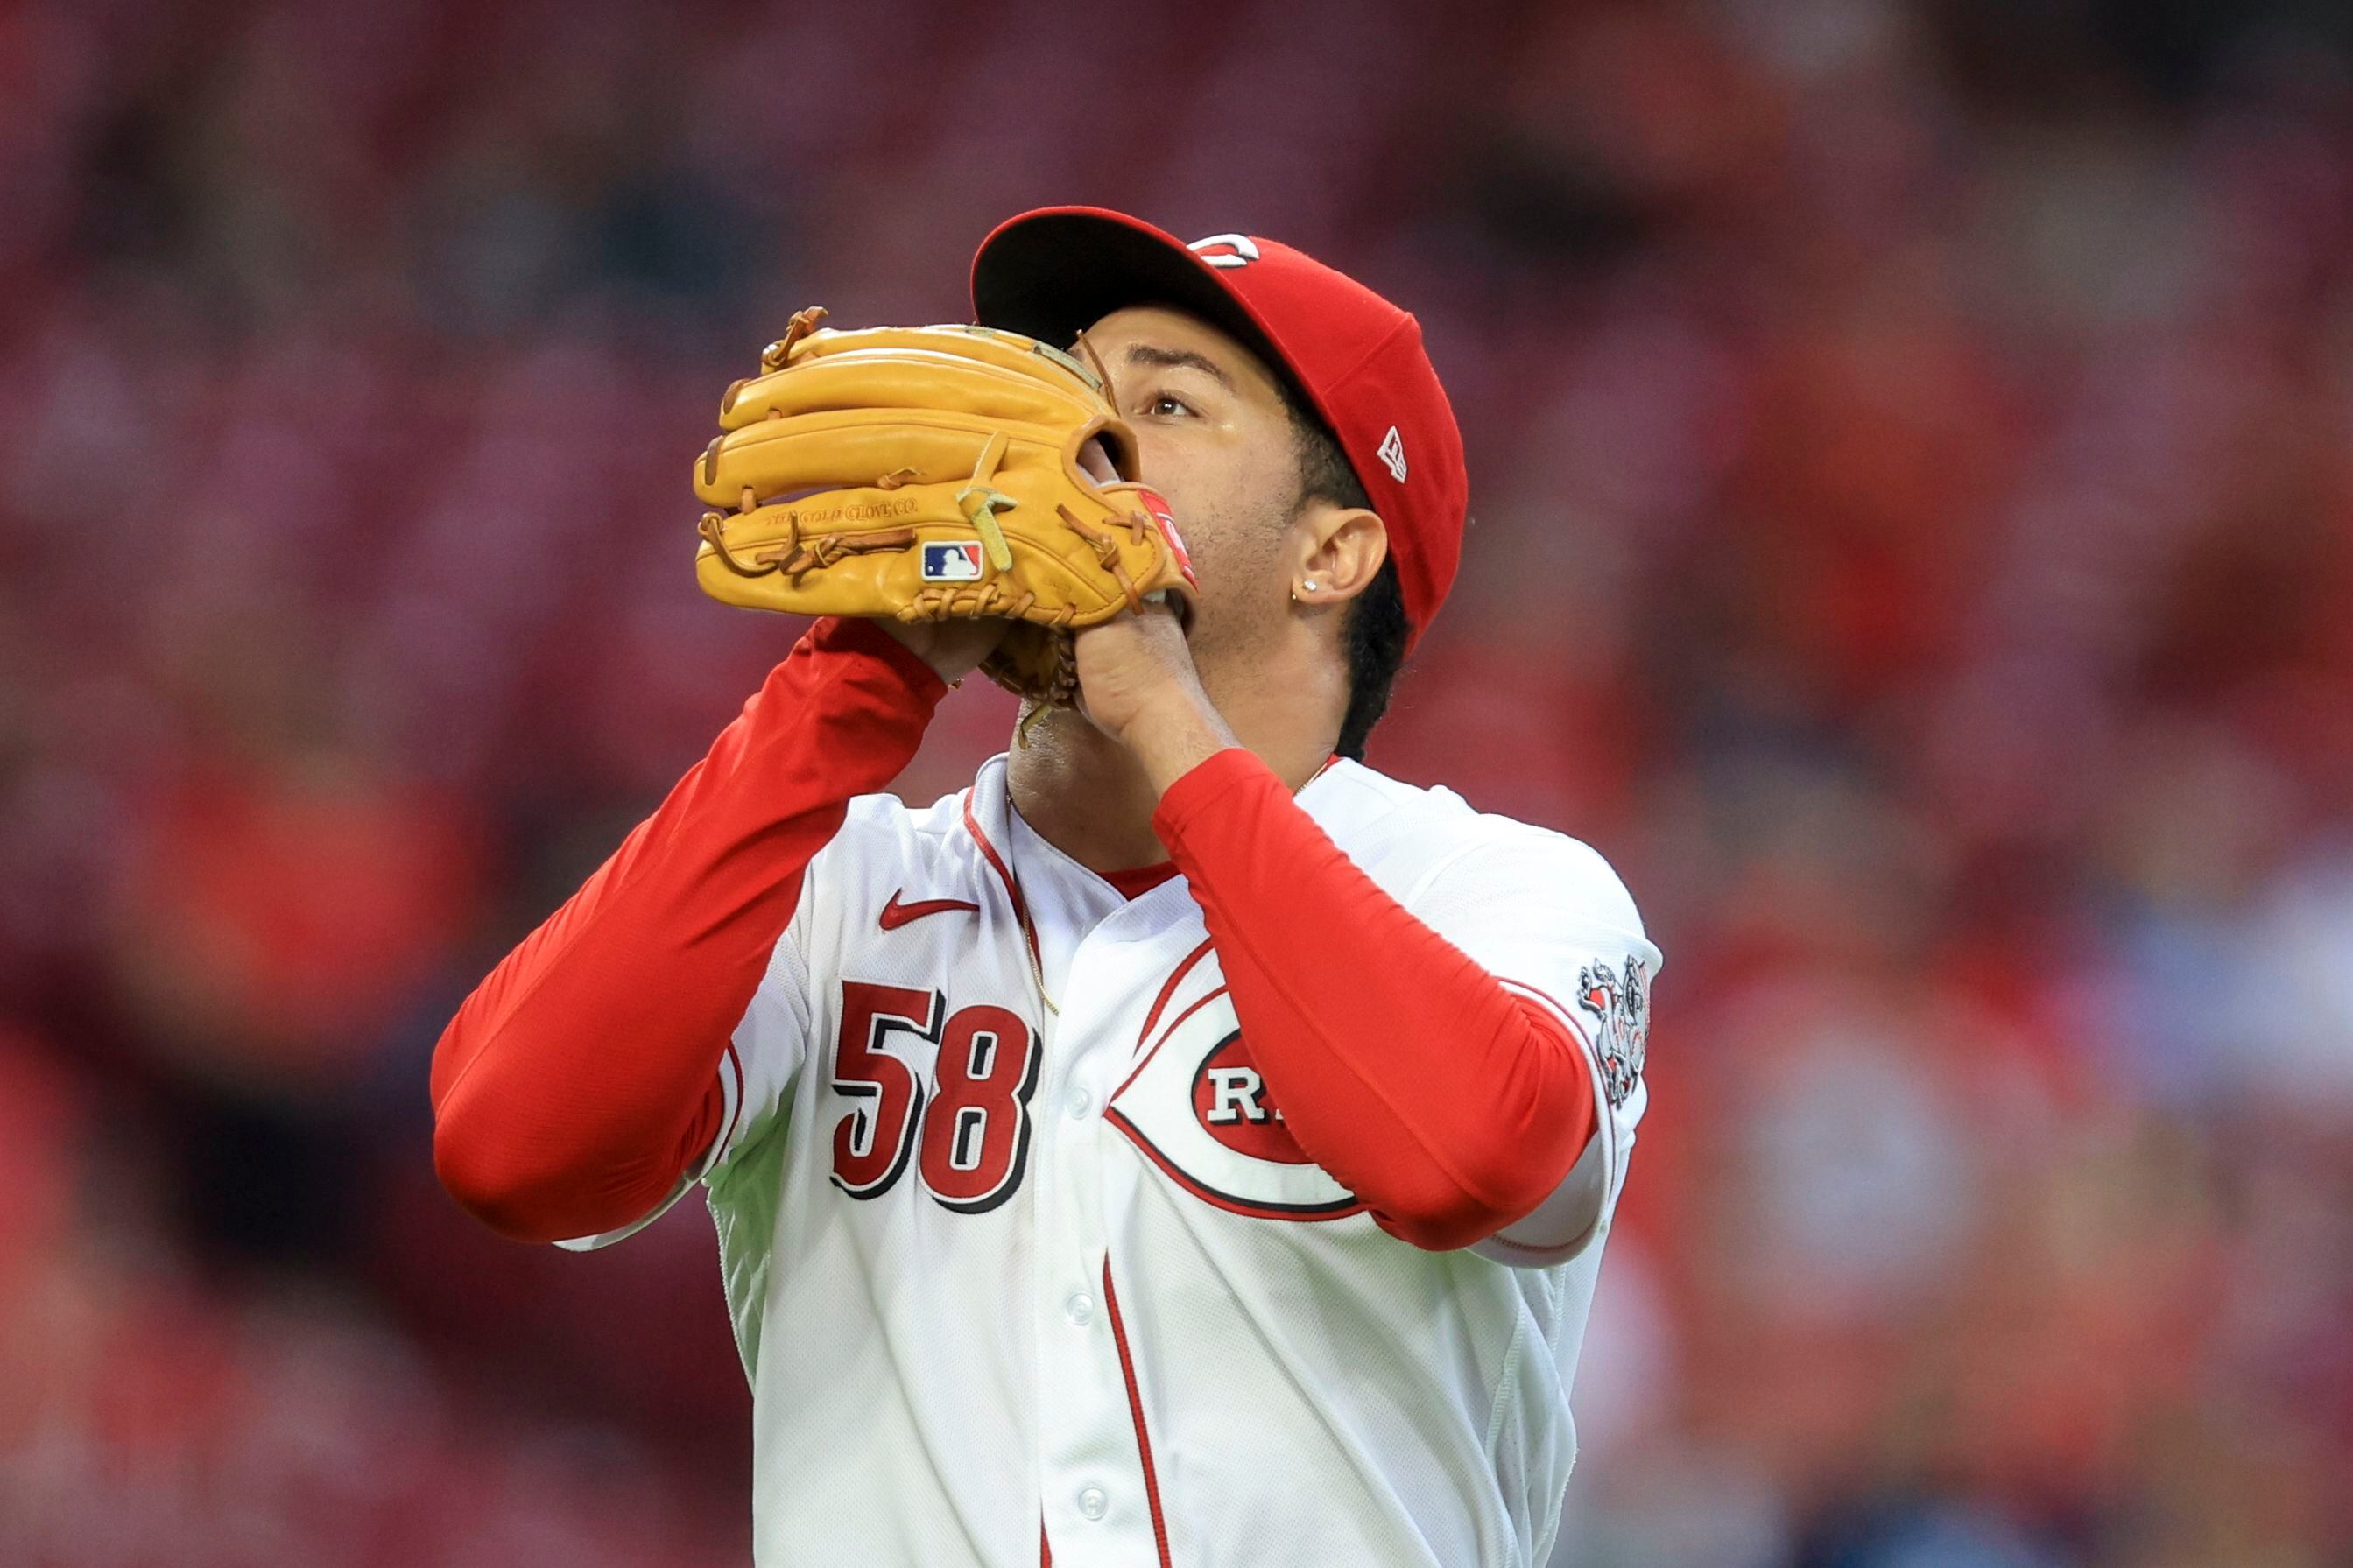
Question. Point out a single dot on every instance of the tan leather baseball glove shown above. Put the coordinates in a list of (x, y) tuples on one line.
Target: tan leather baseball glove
[(931, 473)]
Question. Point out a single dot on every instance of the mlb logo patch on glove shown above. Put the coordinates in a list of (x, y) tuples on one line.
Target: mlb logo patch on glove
[(952, 561)]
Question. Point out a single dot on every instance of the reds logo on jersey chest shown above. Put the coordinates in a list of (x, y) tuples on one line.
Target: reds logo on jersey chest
[(1195, 1105)]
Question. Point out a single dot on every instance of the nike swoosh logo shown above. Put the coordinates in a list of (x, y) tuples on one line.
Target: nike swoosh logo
[(896, 914)]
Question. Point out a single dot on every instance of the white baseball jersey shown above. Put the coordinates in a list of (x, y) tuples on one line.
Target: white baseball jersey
[(1013, 1238)]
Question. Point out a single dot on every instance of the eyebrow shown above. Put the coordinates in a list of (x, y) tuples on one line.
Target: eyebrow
[(1175, 359)]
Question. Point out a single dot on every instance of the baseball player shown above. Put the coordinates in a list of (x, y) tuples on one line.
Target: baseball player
[(1183, 1146)]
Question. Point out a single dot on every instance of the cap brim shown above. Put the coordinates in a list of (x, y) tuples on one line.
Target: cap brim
[(1052, 273)]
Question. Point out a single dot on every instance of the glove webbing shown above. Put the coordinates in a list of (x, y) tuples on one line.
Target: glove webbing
[(1106, 549), (940, 603)]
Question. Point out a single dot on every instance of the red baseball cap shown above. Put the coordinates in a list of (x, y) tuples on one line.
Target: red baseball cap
[(1350, 355)]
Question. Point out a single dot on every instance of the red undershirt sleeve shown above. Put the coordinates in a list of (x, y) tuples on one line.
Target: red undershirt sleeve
[(579, 1083), (1450, 1105)]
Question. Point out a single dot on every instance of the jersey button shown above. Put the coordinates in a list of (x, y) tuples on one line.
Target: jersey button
[(1079, 1104), (1091, 1502), (1080, 1308)]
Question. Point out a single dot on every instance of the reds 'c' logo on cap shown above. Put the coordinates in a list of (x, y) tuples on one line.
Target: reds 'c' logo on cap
[(1225, 249)]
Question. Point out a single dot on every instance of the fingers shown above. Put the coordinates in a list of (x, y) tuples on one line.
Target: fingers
[(1094, 460), (1178, 608)]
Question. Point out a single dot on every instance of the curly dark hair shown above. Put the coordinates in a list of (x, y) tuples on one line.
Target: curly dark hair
[(1374, 631)]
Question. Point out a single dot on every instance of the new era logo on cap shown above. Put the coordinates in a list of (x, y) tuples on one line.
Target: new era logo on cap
[(1392, 454), (955, 561)]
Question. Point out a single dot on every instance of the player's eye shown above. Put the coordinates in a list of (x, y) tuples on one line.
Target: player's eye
[(1163, 405)]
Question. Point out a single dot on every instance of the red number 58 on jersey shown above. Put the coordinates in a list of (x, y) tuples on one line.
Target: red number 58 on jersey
[(969, 1136)]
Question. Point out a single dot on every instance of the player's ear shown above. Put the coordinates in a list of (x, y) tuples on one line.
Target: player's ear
[(1337, 551)]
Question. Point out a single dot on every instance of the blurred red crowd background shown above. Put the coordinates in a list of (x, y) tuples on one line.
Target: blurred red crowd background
[(1911, 450)]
